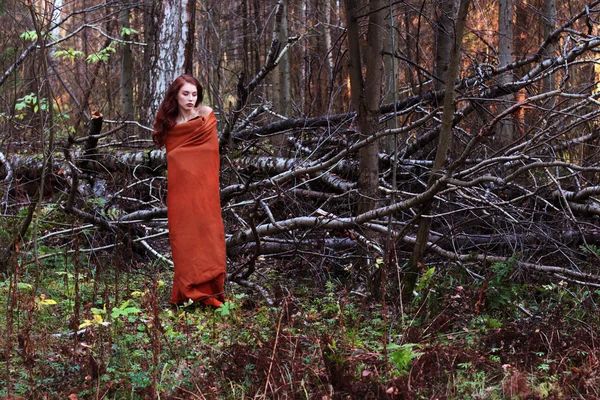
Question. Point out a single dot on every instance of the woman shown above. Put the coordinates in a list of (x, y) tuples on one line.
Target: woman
[(196, 233)]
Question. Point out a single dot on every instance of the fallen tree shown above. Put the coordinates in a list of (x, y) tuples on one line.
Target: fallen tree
[(534, 201)]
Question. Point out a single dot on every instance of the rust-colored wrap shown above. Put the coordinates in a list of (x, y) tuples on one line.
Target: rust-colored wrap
[(194, 212)]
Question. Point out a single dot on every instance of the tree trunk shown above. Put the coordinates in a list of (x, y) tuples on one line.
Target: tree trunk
[(506, 55), (170, 45), (390, 73), (126, 69), (444, 39), (548, 26), (412, 52), (285, 94), (445, 140), (328, 43), (245, 11), (366, 95), (282, 95), (257, 43)]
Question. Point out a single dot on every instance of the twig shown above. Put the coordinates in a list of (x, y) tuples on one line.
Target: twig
[(255, 286), (264, 396), (156, 253)]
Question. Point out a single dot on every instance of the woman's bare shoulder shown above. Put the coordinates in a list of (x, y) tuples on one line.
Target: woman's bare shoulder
[(204, 111)]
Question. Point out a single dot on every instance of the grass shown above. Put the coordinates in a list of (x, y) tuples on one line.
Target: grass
[(320, 341)]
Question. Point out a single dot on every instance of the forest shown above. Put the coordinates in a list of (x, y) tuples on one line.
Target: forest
[(410, 192)]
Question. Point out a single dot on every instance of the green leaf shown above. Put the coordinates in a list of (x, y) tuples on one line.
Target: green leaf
[(226, 308), (403, 356), (125, 31), (93, 58), (425, 280), (69, 54), (124, 310), (29, 35), (102, 55)]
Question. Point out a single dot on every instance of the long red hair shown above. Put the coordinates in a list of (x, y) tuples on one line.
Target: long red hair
[(167, 112)]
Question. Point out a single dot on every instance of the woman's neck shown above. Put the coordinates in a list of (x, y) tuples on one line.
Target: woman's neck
[(186, 115)]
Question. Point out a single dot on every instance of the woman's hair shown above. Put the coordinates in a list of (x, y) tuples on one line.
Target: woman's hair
[(169, 108)]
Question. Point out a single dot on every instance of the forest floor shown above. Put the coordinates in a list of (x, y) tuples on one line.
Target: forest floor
[(459, 338)]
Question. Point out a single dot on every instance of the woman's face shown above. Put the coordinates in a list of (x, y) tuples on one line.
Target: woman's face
[(187, 97)]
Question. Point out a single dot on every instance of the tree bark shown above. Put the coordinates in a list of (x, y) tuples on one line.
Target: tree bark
[(170, 47), (445, 140), (282, 95), (548, 26), (390, 81), (506, 53), (126, 68), (444, 39), (366, 95)]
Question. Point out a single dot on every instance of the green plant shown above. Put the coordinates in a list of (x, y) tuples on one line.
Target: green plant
[(68, 54), (29, 36), (501, 289), (101, 55), (31, 100), (472, 384), (226, 308), (425, 280), (590, 249), (126, 31), (401, 356)]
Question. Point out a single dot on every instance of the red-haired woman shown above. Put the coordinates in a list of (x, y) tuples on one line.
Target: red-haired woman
[(188, 130)]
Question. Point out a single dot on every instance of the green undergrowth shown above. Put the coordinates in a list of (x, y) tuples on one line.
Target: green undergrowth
[(106, 332)]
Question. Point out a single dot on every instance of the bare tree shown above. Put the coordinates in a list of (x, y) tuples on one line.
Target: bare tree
[(366, 94), (445, 140), (127, 72), (444, 40), (548, 26), (506, 50)]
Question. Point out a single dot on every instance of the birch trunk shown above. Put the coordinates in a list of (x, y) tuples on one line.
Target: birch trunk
[(170, 45)]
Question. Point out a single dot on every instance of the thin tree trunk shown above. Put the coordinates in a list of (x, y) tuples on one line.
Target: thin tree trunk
[(366, 95), (410, 51), (282, 95), (506, 53), (444, 39), (245, 8), (387, 144), (549, 25), (190, 25), (258, 44), (328, 44), (445, 140), (126, 69)]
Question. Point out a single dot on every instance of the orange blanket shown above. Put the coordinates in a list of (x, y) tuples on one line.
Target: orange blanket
[(194, 212)]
